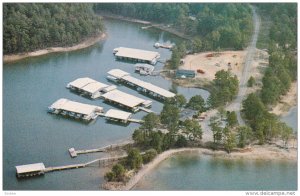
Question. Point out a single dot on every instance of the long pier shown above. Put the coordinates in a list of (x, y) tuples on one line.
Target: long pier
[(101, 162), (74, 153)]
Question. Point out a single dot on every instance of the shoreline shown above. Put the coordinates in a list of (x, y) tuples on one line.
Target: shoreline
[(84, 44), (265, 152), (149, 24), (287, 101)]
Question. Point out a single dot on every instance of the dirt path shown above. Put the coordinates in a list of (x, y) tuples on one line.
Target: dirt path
[(87, 43), (236, 105)]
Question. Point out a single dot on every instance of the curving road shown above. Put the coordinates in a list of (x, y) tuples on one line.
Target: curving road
[(236, 105)]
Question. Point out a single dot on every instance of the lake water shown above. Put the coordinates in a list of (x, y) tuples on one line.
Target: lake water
[(31, 135), (194, 171)]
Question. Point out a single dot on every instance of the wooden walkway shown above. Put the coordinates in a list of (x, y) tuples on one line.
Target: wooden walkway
[(74, 153), (101, 162), (146, 110)]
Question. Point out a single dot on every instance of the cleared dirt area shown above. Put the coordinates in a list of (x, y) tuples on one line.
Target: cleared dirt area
[(211, 62)]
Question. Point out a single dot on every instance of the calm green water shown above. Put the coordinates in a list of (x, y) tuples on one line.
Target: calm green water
[(194, 171), (32, 135)]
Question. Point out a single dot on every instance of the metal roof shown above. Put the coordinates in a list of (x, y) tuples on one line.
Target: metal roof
[(76, 107), (30, 168), (118, 114), (136, 53), (94, 87), (81, 82), (117, 73), (88, 84), (149, 86), (123, 98)]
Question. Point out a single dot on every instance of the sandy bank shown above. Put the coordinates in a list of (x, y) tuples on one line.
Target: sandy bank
[(266, 152), (87, 43), (286, 101)]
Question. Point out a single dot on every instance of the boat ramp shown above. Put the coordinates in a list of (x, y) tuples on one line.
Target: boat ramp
[(137, 55), (141, 86)]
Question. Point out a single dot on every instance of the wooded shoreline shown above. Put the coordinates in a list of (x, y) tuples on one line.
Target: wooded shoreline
[(84, 44)]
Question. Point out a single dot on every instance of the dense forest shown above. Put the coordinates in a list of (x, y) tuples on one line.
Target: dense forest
[(215, 25), (32, 26), (282, 70)]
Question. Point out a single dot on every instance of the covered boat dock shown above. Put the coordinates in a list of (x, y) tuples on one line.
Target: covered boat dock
[(74, 109), (126, 100), (140, 85), (30, 170), (118, 115), (90, 87), (142, 56)]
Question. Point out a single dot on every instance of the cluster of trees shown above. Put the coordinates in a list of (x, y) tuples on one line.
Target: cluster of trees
[(31, 26), (224, 88), (133, 161), (278, 76), (265, 126), (213, 25), (227, 133), (149, 136)]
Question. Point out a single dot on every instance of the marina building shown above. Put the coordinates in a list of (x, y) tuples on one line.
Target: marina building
[(118, 115), (182, 73), (137, 55), (139, 85), (90, 87), (74, 109), (126, 100), (30, 170)]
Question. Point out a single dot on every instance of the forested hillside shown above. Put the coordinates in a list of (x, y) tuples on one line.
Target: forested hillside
[(214, 25), (31, 26)]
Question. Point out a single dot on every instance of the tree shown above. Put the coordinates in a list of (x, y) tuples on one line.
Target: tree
[(253, 108), (232, 119), (181, 141), (196, 103), (119, 172), (180, 100), (134, 159), (285, 133), (215, 125), (229, 139), (149, 155), (151, 120), (251, 82), (193, 129), (244, 136), (138, 137), (170, 117)]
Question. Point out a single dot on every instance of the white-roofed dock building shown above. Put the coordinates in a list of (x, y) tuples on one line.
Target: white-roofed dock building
[(30, 170), (139, 85), (75, 110), (125, 100), (118, 115), (137, 55), (89, 87)]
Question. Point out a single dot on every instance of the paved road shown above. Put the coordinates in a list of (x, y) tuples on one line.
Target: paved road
[(236, 105)]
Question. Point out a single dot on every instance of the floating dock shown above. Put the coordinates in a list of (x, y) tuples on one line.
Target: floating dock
[(89, 87), (74, 109), (117, 115), (126, 100), (139, 85), (137, 55), (166, 46)]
